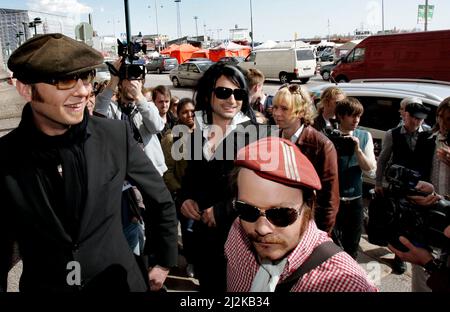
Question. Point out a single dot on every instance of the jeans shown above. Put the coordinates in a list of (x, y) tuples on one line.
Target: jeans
[(134, 233), (348, 226)]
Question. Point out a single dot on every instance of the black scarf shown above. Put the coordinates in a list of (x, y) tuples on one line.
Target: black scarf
[(66, 189)]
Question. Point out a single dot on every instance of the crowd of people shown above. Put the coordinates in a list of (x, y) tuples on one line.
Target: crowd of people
[(266, 199)]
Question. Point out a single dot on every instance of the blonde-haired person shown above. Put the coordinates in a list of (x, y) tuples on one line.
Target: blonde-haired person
[(292, 112), (327, 107)]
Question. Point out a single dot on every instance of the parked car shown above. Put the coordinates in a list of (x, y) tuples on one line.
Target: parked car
[(234, 60), (188, 74), (325, 70), (161, 64), (381, 101), (326, 56)]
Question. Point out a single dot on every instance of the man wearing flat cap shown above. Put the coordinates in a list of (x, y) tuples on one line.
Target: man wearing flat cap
[(274, 244), (61, 177), (406, 145), (403, 145)]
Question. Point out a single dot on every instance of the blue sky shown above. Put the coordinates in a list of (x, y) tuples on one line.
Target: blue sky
[(272, 19)]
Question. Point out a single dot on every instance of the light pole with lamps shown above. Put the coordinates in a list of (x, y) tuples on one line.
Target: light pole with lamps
[(34, 23), (251, 24), (113, 22), (218, 33), (196, 26), (156, 17), (25, 29), (382, 16), (178, 18)]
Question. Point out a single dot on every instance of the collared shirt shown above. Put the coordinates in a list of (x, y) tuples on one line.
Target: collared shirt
[(338, 273), (297, 134), (208, 149)]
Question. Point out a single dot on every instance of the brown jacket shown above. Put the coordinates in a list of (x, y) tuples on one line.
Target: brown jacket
[(322, 154)]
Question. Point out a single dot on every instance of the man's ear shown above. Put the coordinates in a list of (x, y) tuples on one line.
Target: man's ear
[(24, 90)]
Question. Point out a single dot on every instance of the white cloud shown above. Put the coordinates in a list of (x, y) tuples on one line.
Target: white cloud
[(59, 6)]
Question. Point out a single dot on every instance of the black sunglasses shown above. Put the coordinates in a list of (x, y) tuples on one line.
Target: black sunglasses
[(224, 93), (280, 217), (69, 82)]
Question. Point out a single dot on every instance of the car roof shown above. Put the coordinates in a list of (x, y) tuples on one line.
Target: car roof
[(432, 92)]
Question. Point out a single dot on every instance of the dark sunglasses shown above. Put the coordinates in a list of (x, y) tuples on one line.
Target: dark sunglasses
[(280, 217), (71, 81), (224, 93)]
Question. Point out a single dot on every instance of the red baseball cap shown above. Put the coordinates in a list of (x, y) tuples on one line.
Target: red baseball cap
[(279, 160)]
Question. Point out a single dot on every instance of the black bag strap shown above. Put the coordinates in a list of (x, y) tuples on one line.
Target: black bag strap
[(319, 255)]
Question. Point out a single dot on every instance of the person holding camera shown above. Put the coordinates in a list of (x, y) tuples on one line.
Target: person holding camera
[(132, 106), (352, 162), (405, 145), (438, 269), (144, 120), (61, 176)]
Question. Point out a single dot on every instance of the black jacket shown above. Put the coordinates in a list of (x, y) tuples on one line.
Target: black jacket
[(46, 248)]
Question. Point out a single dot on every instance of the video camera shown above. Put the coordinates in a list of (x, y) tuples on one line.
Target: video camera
[(344, 144), (393, 215), (131, 68)]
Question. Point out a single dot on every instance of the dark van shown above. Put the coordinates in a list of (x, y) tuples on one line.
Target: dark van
[(417, 55)]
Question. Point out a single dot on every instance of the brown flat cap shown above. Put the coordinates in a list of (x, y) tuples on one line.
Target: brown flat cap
[(279, 160), (52, 56)]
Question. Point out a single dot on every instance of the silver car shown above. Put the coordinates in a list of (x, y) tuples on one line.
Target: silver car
[(381, 101), (188, 74)]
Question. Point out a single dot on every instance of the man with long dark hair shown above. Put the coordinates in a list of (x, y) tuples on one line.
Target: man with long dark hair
[(222, 115)]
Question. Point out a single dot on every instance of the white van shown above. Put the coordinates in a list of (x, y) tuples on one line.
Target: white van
[(283, 64)]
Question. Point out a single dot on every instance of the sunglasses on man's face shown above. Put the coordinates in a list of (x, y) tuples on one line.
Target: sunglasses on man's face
[(224, 93), (280, 217), (71, 81)]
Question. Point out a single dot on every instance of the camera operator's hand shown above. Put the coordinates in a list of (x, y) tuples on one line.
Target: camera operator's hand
[(414, 254), (356, 141), (427, 200), (134, 90), (114, 81)]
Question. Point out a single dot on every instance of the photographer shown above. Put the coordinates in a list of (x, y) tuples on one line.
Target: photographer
[(133, 107), (145, 122), (355, 155), (406, 145), (438, 269)]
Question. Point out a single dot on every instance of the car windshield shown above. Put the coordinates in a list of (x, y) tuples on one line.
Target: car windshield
[(304, 55), (171, 61), (204, 66)]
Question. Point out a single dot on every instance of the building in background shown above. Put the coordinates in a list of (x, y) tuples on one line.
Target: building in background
[(15, 27), (240, 35)]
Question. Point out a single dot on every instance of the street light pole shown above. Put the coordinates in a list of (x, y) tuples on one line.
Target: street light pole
[(382, 16), (196, 26), (25, 30), (178, 18), (251, 24), (426, 15)]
